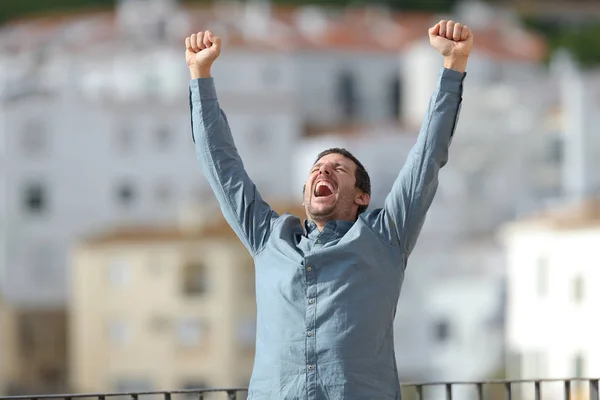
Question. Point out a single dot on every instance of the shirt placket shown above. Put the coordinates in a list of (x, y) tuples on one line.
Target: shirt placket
[(310, 322)]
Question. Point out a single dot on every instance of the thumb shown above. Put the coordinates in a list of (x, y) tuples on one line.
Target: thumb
[(216, 44), (434, 30)]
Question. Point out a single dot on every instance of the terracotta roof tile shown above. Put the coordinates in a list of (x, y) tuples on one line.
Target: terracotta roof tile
[(354, 29), (149, 234), (581, 215)]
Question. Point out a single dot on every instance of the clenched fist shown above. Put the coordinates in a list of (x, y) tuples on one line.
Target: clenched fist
[(201, 50), (454, 41)]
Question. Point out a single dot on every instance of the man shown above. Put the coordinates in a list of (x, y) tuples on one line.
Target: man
[(327, 290)]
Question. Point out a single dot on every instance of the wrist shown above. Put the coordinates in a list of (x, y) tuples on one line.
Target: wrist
[(456, 63), (200, 72)]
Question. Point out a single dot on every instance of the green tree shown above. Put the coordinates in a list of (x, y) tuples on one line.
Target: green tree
[(20, 8), (582, 40)]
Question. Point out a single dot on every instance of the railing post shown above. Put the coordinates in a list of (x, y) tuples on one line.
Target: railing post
[(567, 390), (480, 391), (594, 389), (448, 391), (538, 390), (508, 391), (232, 394), (419, 390)]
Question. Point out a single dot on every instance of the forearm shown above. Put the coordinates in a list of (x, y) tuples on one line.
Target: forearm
[(200, 72), (458, 64), (439, 124)]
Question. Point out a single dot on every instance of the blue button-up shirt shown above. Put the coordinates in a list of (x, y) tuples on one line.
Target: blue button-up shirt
[(326, 300)]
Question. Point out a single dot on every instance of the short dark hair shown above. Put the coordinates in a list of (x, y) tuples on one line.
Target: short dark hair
[(363, 181)]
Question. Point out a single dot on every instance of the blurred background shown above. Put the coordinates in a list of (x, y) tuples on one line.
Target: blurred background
[(117, 271)]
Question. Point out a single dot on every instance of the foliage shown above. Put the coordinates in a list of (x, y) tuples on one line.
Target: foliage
[(19, 8), (582, 40)]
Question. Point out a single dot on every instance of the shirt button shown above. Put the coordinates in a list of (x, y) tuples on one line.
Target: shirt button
[(309, 268), (311, 301), (310, 333), (310, 367), (318, 240)]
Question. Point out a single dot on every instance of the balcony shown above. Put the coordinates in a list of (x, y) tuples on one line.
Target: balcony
[(570, 389)]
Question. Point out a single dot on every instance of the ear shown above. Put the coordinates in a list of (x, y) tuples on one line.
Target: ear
[(362, 199)]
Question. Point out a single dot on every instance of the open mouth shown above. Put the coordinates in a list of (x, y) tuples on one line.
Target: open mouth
[(323, 189)]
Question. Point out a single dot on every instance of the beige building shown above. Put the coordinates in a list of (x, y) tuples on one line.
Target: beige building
[(32, 350), (162, 309), (7, 347)]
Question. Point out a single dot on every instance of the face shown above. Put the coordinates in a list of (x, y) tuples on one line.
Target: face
[(330, 192)]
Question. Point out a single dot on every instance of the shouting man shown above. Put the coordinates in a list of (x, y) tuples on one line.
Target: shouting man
[(327, 290)]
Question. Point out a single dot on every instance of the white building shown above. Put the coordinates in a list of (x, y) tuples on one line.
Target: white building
[(104, 139), (96, 124), (553, 296)]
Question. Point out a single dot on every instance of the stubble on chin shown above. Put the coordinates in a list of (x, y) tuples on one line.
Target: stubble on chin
[(316, 214)]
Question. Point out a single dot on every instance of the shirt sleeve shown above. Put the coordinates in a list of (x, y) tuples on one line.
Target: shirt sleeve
[(403, 214), (241, 203)]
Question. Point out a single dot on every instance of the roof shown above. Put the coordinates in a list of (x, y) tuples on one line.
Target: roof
[(150, 234), (581, 215), (283, 28)]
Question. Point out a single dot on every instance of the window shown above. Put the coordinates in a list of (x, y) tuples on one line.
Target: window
[(441, 331), (579, 366), (155, 265), (270, 75), (27, 332), (133, 385), (578, 290), (194, 385), (514, 365), (163, 138), (190, 332), (159, 323), (476, 182), (542, 276), (124, 140), (247, 331), (42, 258), (163, 193), (125, 194), (119, 332), (35, 198), (260, 138), (194, 279), (118, 273), (535, 365), (347, 96), (248, 279), (395, 100), (34, 138), (152, 84), (556, 150)]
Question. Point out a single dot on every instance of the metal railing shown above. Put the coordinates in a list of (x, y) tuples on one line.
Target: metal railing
[(197, 394), (480, 390), (507, 388)]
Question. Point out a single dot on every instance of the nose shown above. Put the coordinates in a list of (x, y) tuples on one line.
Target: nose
[(325, 169)]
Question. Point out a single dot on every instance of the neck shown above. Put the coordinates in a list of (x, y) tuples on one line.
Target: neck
[(320, 225)]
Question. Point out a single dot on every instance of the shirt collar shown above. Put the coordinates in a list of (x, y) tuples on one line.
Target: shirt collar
[(339, 227)]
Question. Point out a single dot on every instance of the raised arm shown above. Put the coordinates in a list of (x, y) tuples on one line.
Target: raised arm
[(242, 206), (413, 191)]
